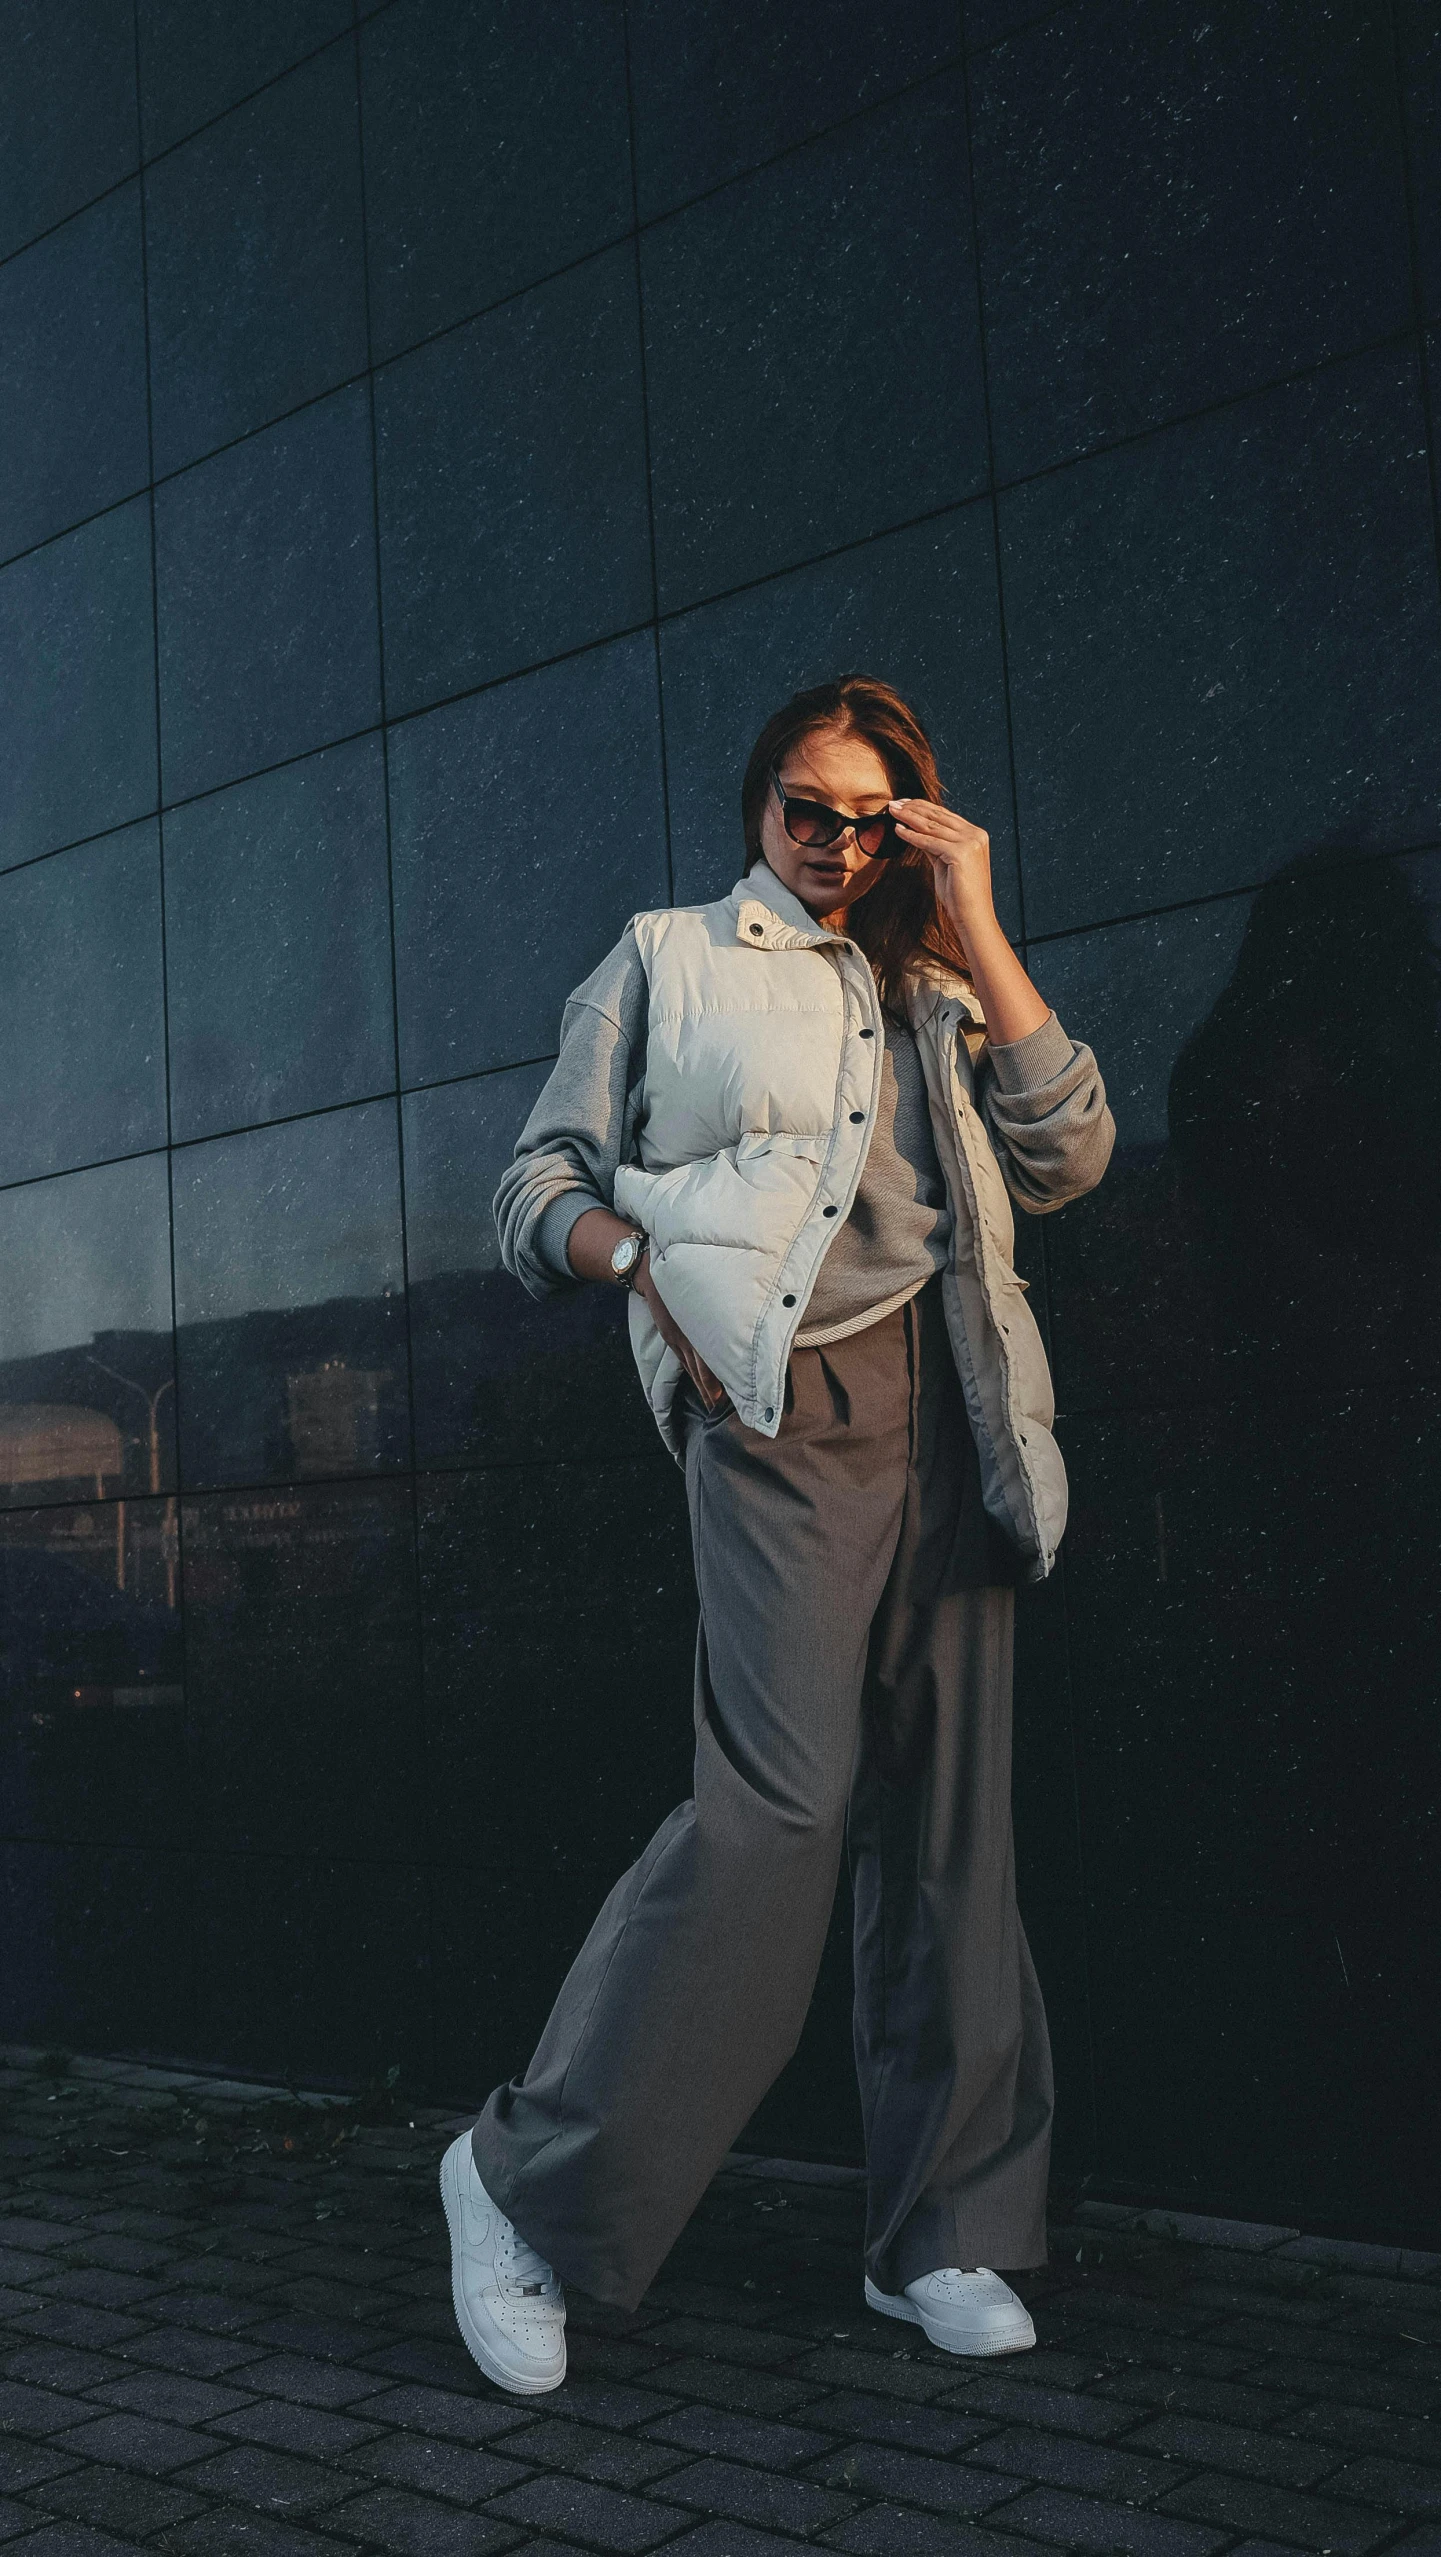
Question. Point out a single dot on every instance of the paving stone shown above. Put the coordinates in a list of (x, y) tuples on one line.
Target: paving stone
[(1397, 2484), (1315, 2521), (17, 2268), (311, 2383), (60, 2366), (67, 2322), (1055, 2460), (14, 2518), (245, 2534), (446, 2412), (722, 2384), (596, 2514), (320, 2339), (1124, 2348), (797, 2504), (114, 2499), (718, 2431), (121, 2254), (38, 2410), (448, 2469), (1074, 2521), (879, 2419), (1356, 2256), (888, 2530), (1015, 2401), (1271, 2335), (711, 2539), (315, 2432), (1368, 2428), (36, 2236), (600, 2401), (1384, 2387), (1175, 2393), (610, 2459), (170, 2397), (134, 2441), (183, 2348), (213, 2312), (1233, 2446), (270, 2480), (99, 2288), (906, 2477), (415, 2528), (72, 2539), (893, 2375), (25, 2464), (718, 2340)]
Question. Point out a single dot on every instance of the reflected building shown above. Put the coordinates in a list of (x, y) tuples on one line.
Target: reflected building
[(400, 547)]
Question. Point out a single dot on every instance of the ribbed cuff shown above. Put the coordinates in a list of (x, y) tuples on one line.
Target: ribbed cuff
[(552, 1231), (1026, 1065)]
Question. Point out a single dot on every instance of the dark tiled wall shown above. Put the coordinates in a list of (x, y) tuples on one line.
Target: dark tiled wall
[(433, 436)]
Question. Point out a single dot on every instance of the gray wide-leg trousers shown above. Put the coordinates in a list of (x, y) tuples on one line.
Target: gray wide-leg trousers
[(853, 1682)]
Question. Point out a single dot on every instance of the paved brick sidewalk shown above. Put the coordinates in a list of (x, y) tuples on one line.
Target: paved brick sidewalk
[(225, 2326)]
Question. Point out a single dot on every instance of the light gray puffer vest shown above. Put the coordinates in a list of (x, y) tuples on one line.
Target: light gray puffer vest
[(761, 1087)]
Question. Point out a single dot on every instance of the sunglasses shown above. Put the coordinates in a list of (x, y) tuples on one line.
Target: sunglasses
[(808, 821)]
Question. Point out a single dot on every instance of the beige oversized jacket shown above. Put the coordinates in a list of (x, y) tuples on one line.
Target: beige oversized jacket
[(739, 1144)]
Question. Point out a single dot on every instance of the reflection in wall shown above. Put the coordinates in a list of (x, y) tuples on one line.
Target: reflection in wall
[(419, 484)]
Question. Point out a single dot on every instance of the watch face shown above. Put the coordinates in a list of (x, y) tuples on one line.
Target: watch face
[(625, 1255)]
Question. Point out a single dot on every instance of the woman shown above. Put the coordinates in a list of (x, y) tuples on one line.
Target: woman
[(791, 1122)]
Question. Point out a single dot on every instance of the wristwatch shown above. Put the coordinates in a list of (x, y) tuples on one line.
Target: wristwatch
[(625, 1259)]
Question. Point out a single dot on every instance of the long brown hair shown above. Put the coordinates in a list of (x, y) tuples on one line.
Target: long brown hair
[(896, 921)]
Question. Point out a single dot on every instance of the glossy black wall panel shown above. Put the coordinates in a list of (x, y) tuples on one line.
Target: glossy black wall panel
[(290, 1306), (1224, 643), (527, 827), (67, 110), (720, 86), (87, 1406), (314, 1968), (496, 152), (919, 607), (511, 464), (92, 1696), (811, 350), (198, 57), (1267, 1219), (1419, 44), (265, 569), (256, 262), (82, 1007), (300, 1644), (1261, 1870), (1171, 210), (277, 942), (514, 1684), (99, 1947), (77, 685), (72, 373), (498, 1376)]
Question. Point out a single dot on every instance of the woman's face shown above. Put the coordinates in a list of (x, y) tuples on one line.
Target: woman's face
[(845, 773)]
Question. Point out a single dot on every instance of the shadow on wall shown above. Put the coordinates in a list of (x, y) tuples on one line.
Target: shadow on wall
[(1244, 1321), (1304, 1118)]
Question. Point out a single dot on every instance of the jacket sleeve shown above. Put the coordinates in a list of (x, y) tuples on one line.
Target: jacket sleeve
[(1045, 1111), (566, 1154)]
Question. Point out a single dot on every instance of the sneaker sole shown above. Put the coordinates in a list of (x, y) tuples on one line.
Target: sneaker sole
[(984, 2348), (517, 2384)]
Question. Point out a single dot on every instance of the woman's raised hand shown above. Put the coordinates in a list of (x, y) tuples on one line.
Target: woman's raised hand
[(960, 856)]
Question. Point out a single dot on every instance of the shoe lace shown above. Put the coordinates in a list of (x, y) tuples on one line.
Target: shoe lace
[(529, 2272)]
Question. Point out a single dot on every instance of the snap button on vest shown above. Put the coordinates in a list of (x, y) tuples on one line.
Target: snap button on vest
[(856, 1117), (787, 1300), (830, 1211), (868, 1034), (758, 929)]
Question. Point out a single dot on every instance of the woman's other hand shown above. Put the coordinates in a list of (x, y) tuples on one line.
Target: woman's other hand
[(707, 1385), (591, 1241)]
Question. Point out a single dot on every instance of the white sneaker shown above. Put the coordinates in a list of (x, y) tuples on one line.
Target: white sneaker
[(509, 2305), (962, 2312)]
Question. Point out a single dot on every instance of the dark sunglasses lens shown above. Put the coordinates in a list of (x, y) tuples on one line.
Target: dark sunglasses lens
[(876, 835), (806, 822)]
